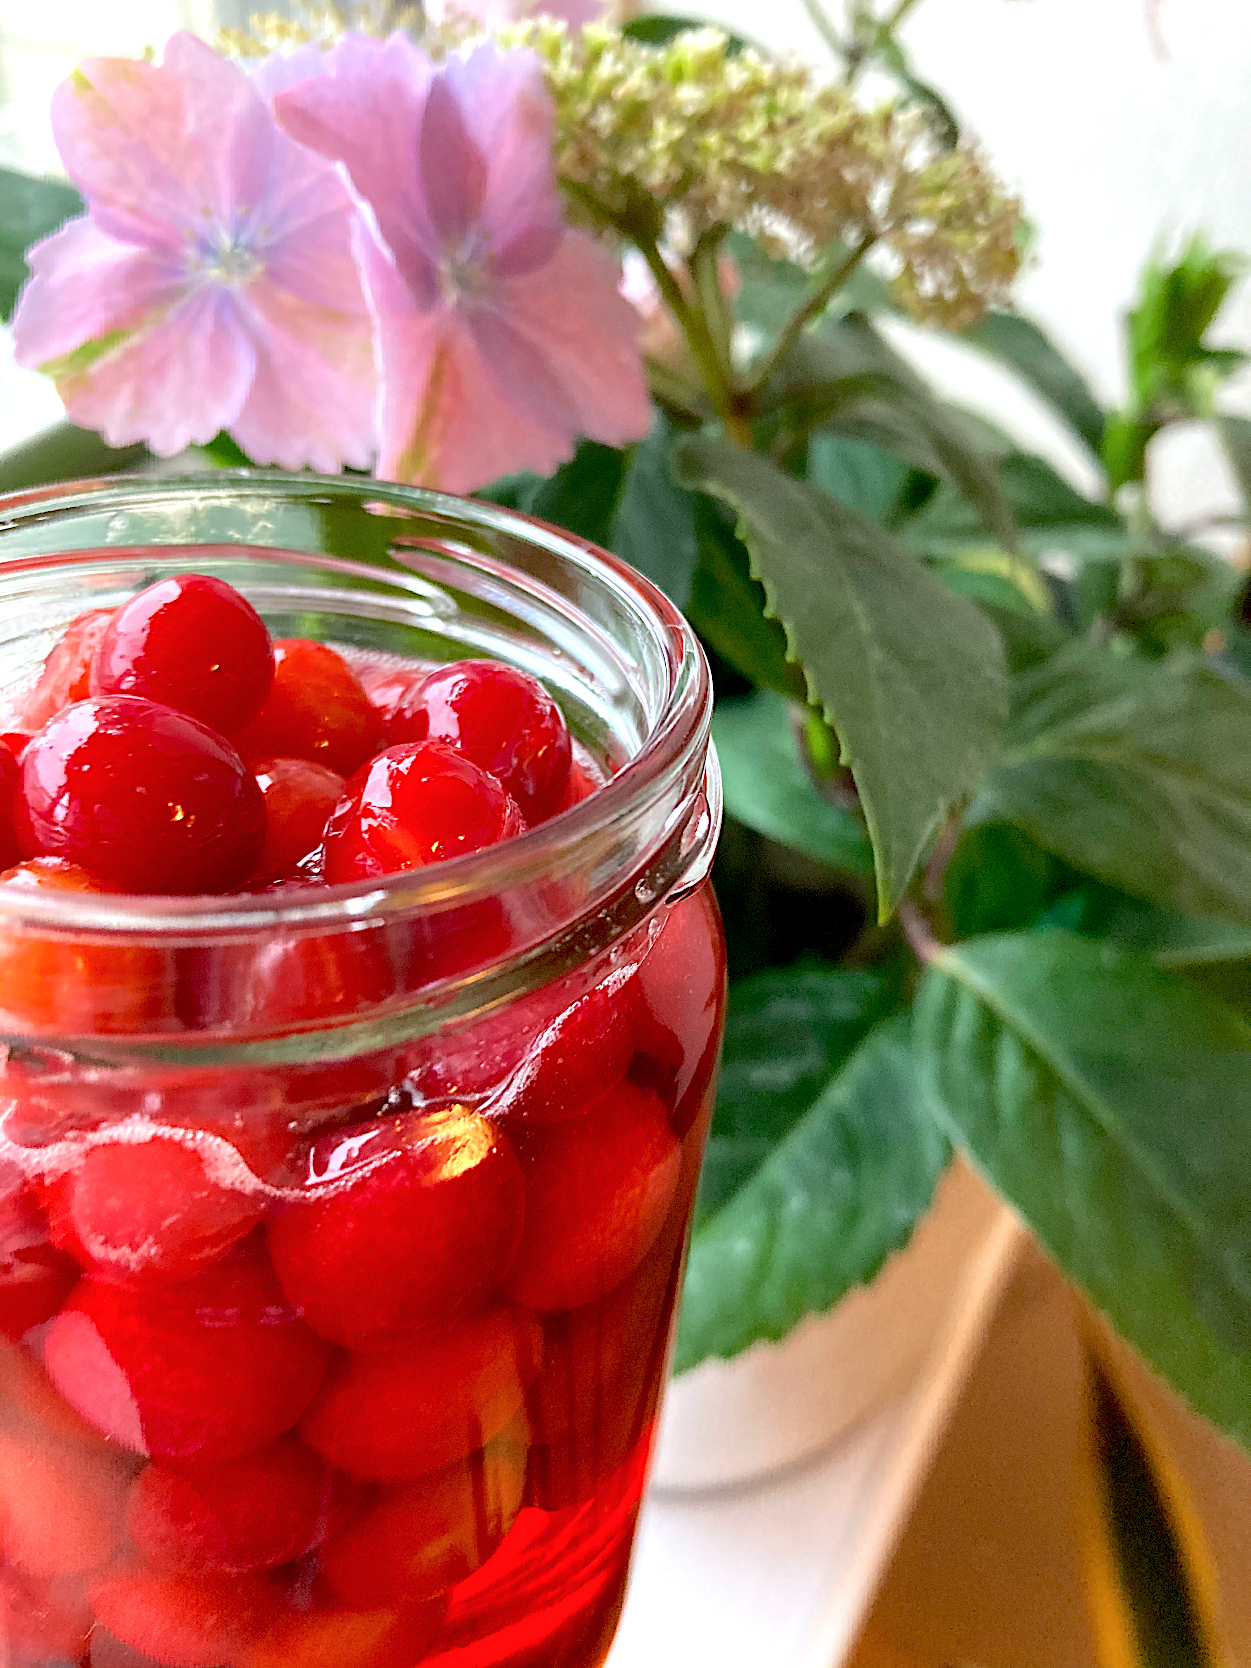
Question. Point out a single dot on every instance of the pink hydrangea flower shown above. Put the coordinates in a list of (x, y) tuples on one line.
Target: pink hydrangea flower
[(500, 333), (211, 284)]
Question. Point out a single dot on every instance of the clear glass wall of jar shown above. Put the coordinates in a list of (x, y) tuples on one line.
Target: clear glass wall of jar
[(343, 1227)]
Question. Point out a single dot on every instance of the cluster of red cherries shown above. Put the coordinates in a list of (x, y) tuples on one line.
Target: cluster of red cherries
[(299, 1366), (177, 749)]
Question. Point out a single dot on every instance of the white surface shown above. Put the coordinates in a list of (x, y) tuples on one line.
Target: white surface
[(776, 1404), (780, 1574)]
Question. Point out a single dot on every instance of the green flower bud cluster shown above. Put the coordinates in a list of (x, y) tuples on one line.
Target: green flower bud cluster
[(731, 138)]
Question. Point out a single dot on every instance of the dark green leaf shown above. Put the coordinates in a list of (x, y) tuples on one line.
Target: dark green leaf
[(1019, 343), (1110, 1102), (727, 608), (655, 527), (768, 788), (866, 478), (1050, 516), (63, 452), (226, 453), (30, 208), (998, 880), (1135, 772), (910, 676), (1014, 596), (845, 372), (658, 29), (772, 288), (626, 501), (819, 1210), (1214, 957)]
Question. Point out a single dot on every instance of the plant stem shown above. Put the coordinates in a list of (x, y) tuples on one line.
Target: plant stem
[(894, 18), (699, 339), (916, 929), (824, 28), (817, 300)]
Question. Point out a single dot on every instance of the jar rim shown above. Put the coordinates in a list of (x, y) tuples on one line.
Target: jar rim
[(669, 765)]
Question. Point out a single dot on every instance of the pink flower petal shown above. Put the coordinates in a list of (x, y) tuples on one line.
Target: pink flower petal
[(85, 285), (365, 111), (282, 70), (173, 385), (312, 400), (443, 421), (453, 169), (510, 118), (158, 149), (571, 314)]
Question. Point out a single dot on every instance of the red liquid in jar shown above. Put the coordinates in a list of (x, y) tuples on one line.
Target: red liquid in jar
[(364, 1372)]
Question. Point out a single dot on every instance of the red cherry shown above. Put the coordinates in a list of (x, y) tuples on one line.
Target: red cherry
[(66, 672), (299, 797), (605, 1361), (43, 1619), (427, 1403), (347, 1638), (580, 784), (412, 805), (35, 1278), (245, 1514), (61, 1507), (399, 1224), (10, 803), (143, 796), (421, 1538), (190, 642), (181, 1620), (387, 685), (538, 1059), (215, 1368), (598, 1189), (682, 985), (55, 984), (316, 709), (502, 719), (148, 1201)]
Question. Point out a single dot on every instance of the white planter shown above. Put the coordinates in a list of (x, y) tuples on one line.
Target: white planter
[(776, 1404)]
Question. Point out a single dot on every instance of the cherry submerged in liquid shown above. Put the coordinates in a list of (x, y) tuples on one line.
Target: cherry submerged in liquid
[(353, 1364)]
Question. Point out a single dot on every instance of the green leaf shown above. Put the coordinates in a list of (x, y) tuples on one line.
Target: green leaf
[(727, 608), (30, 209), (660, 28), (767, 787), (808, 1206), (772, 288), (64, 452), (626, 501), (1110, 1103), (910, 676), (1170, 363), (1216, 958), (1019, 343), (866, 478), (226, 453), (844, 373), (997, 880), (1136, 772), (1049, 515)]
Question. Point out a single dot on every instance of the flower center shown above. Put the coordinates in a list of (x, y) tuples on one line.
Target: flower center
[(227, 262)]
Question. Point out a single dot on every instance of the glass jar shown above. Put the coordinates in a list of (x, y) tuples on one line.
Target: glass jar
[(343, 1227)]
